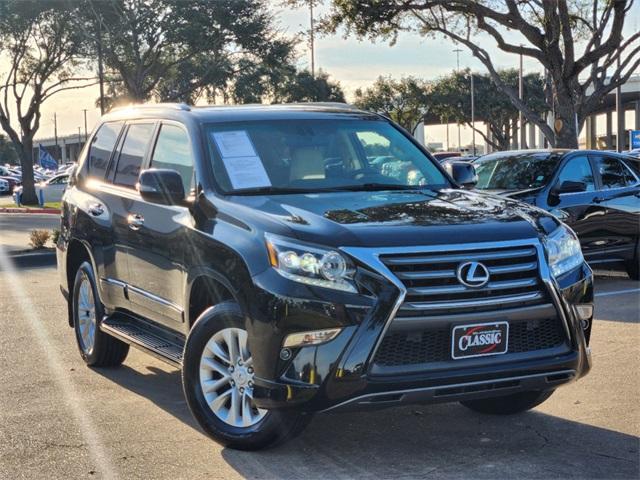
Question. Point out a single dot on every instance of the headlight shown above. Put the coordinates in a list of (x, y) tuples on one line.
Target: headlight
[(563, 251), (309, 264)]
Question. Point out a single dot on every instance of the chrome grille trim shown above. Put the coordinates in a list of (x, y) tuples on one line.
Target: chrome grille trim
[(526, 282), (467, 256), (503, 300)]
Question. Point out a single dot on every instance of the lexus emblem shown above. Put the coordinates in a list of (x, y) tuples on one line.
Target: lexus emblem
[(473, 274)]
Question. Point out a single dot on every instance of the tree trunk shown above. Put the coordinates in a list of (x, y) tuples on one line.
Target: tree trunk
[(565, 124), (29, 196)]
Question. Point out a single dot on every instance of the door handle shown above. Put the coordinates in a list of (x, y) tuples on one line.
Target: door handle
[(135, 221), (96, 209), (599, 199)]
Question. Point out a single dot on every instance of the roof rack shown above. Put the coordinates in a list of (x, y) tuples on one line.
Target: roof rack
[(344, 105), (175, 106)]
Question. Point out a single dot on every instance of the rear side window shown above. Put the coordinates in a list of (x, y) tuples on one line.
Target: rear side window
[(578, 169), (173, 151), (103, 144), (614, 173), (132, 154)]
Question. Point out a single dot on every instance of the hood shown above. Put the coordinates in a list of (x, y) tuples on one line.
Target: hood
[(396, 218)]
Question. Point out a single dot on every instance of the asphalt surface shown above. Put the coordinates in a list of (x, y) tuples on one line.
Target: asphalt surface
[(15, 228), (60, 419)]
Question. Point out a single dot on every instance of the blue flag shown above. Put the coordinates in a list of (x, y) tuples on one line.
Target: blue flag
[(46, 160)]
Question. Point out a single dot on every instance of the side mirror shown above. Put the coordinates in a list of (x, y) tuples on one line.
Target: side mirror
[(464, 173), (163, 186), (569, 186)]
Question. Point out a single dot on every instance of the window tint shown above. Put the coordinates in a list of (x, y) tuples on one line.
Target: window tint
[(578, 169), (173, 151), (135, 144), (613, 173), (515, 171), (317, 155), (102, 145)]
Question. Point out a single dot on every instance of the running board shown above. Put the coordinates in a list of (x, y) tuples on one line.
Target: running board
[(147, 338)]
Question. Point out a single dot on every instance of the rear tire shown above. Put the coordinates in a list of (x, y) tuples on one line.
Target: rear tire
[(219, 327), (96, 347), (509, 404)]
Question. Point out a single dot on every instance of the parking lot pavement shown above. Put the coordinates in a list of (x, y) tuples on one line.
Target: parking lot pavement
[(15, 228), (60, 419)]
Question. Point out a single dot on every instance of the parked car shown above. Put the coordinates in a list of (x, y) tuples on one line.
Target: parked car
[(52, 189), (260, 250), (12, 183), (5, 187), (596, 193), (441, 156)]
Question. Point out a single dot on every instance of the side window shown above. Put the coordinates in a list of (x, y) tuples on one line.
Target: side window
[(578, 169), (132, 154), (613, 173), (173, 151), (102, 145)]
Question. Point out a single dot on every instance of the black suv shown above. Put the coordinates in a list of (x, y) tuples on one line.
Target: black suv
[(305, 258)]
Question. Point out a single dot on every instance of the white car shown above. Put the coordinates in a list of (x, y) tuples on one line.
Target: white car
[(52, 189)]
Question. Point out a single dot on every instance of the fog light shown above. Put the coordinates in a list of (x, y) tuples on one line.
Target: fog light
[(584, 312), (314, 337)]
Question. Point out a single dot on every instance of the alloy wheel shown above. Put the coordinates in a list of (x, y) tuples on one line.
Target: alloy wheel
[(86, 315), (226, 378)]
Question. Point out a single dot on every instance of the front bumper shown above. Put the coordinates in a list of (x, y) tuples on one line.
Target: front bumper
[(342, 374)]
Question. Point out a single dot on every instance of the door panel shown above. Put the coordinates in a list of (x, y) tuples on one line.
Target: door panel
[(619, 195), (158, 233), (578, 210)]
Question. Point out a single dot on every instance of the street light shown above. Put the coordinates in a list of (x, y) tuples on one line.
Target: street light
[(473, 115)]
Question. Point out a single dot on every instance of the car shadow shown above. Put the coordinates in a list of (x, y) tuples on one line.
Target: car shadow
[(415, 441)]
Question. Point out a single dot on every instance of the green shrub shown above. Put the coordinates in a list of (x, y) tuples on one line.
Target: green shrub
[(55, 235), (39, 238)]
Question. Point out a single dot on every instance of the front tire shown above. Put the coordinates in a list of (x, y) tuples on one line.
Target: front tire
[(217, 378), (509, 404), (96, 347)]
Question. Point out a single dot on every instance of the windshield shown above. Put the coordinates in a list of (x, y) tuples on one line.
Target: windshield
[(287, 156), (515, 172)]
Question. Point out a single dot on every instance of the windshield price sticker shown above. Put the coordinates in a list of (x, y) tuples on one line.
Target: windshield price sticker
[(244, 166)]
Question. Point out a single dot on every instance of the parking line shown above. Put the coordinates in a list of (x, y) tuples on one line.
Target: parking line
[(617, 292)]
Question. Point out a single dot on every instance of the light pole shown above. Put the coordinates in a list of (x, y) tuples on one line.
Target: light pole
[(85, 123), (521, 96), (473, 115), (312, 40), (457, 52), (55, 133)]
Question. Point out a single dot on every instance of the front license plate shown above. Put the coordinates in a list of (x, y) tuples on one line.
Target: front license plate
[(479, 340)]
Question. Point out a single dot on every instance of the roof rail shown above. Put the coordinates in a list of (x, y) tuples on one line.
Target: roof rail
[(175, 106), (344, 105)]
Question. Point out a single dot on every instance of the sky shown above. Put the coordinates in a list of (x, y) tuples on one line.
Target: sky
[(352, 62)]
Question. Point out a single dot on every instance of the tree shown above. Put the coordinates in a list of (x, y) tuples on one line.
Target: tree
[(449, 99), (578, 42), (41, 47), (301, 86), (172, 50), (8, 152), (404, 101)]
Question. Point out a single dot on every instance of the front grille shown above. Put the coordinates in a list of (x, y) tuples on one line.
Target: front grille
[(433, 287), (434, 345)]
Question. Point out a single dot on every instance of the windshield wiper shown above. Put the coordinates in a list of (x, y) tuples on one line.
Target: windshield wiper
[(369, 187), (270, 190)]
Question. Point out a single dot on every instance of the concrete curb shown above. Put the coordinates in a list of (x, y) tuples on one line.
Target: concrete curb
[(29, 210), (31, 259)]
